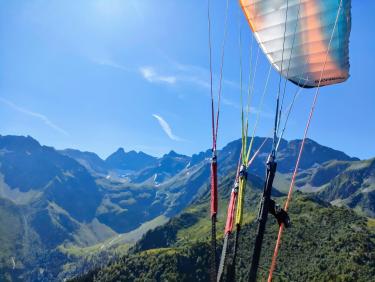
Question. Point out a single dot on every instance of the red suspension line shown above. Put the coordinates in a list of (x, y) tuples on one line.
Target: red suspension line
[(278, 242)]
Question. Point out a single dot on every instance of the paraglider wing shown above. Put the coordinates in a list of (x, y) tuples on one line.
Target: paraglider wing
[(301, 54)]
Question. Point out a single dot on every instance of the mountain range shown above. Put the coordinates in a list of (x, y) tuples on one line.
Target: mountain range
[(71, 205)]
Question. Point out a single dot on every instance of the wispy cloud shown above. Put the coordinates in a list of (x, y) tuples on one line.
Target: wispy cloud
[(252, 110), (183, 73), (192, 74), (175, 75), (171, 74), (201, 76), (166, 128), (39, 116), (230, 103), (150, 74), (147, 72), (112, 64), (180, 73)]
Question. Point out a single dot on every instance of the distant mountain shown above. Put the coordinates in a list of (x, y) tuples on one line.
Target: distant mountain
[(164, 168), (71, 201), (64, 201), (200, 157), (26, 166), (141, 167), (350, 183), (354, 186), (91, 161), (50, 198), (129, 160), (314, 154)]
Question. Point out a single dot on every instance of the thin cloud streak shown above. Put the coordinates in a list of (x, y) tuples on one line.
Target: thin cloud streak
[(151, 75), (147, 72), (166, 128), (39, 116), (178, 73), (201, 76), (112, 64), (190, 74), (194, 75), (252, 110)]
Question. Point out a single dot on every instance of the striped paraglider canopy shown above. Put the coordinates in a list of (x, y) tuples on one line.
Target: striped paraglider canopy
[(295, 36)]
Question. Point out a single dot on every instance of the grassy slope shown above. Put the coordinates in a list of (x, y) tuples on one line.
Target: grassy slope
[(11, 227), (349, 183), (19, 243), (325, 243)]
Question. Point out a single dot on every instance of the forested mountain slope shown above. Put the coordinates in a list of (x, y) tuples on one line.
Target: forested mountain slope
[(325, 243)]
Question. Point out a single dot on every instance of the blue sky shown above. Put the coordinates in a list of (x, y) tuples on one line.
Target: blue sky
[(101, 74)]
